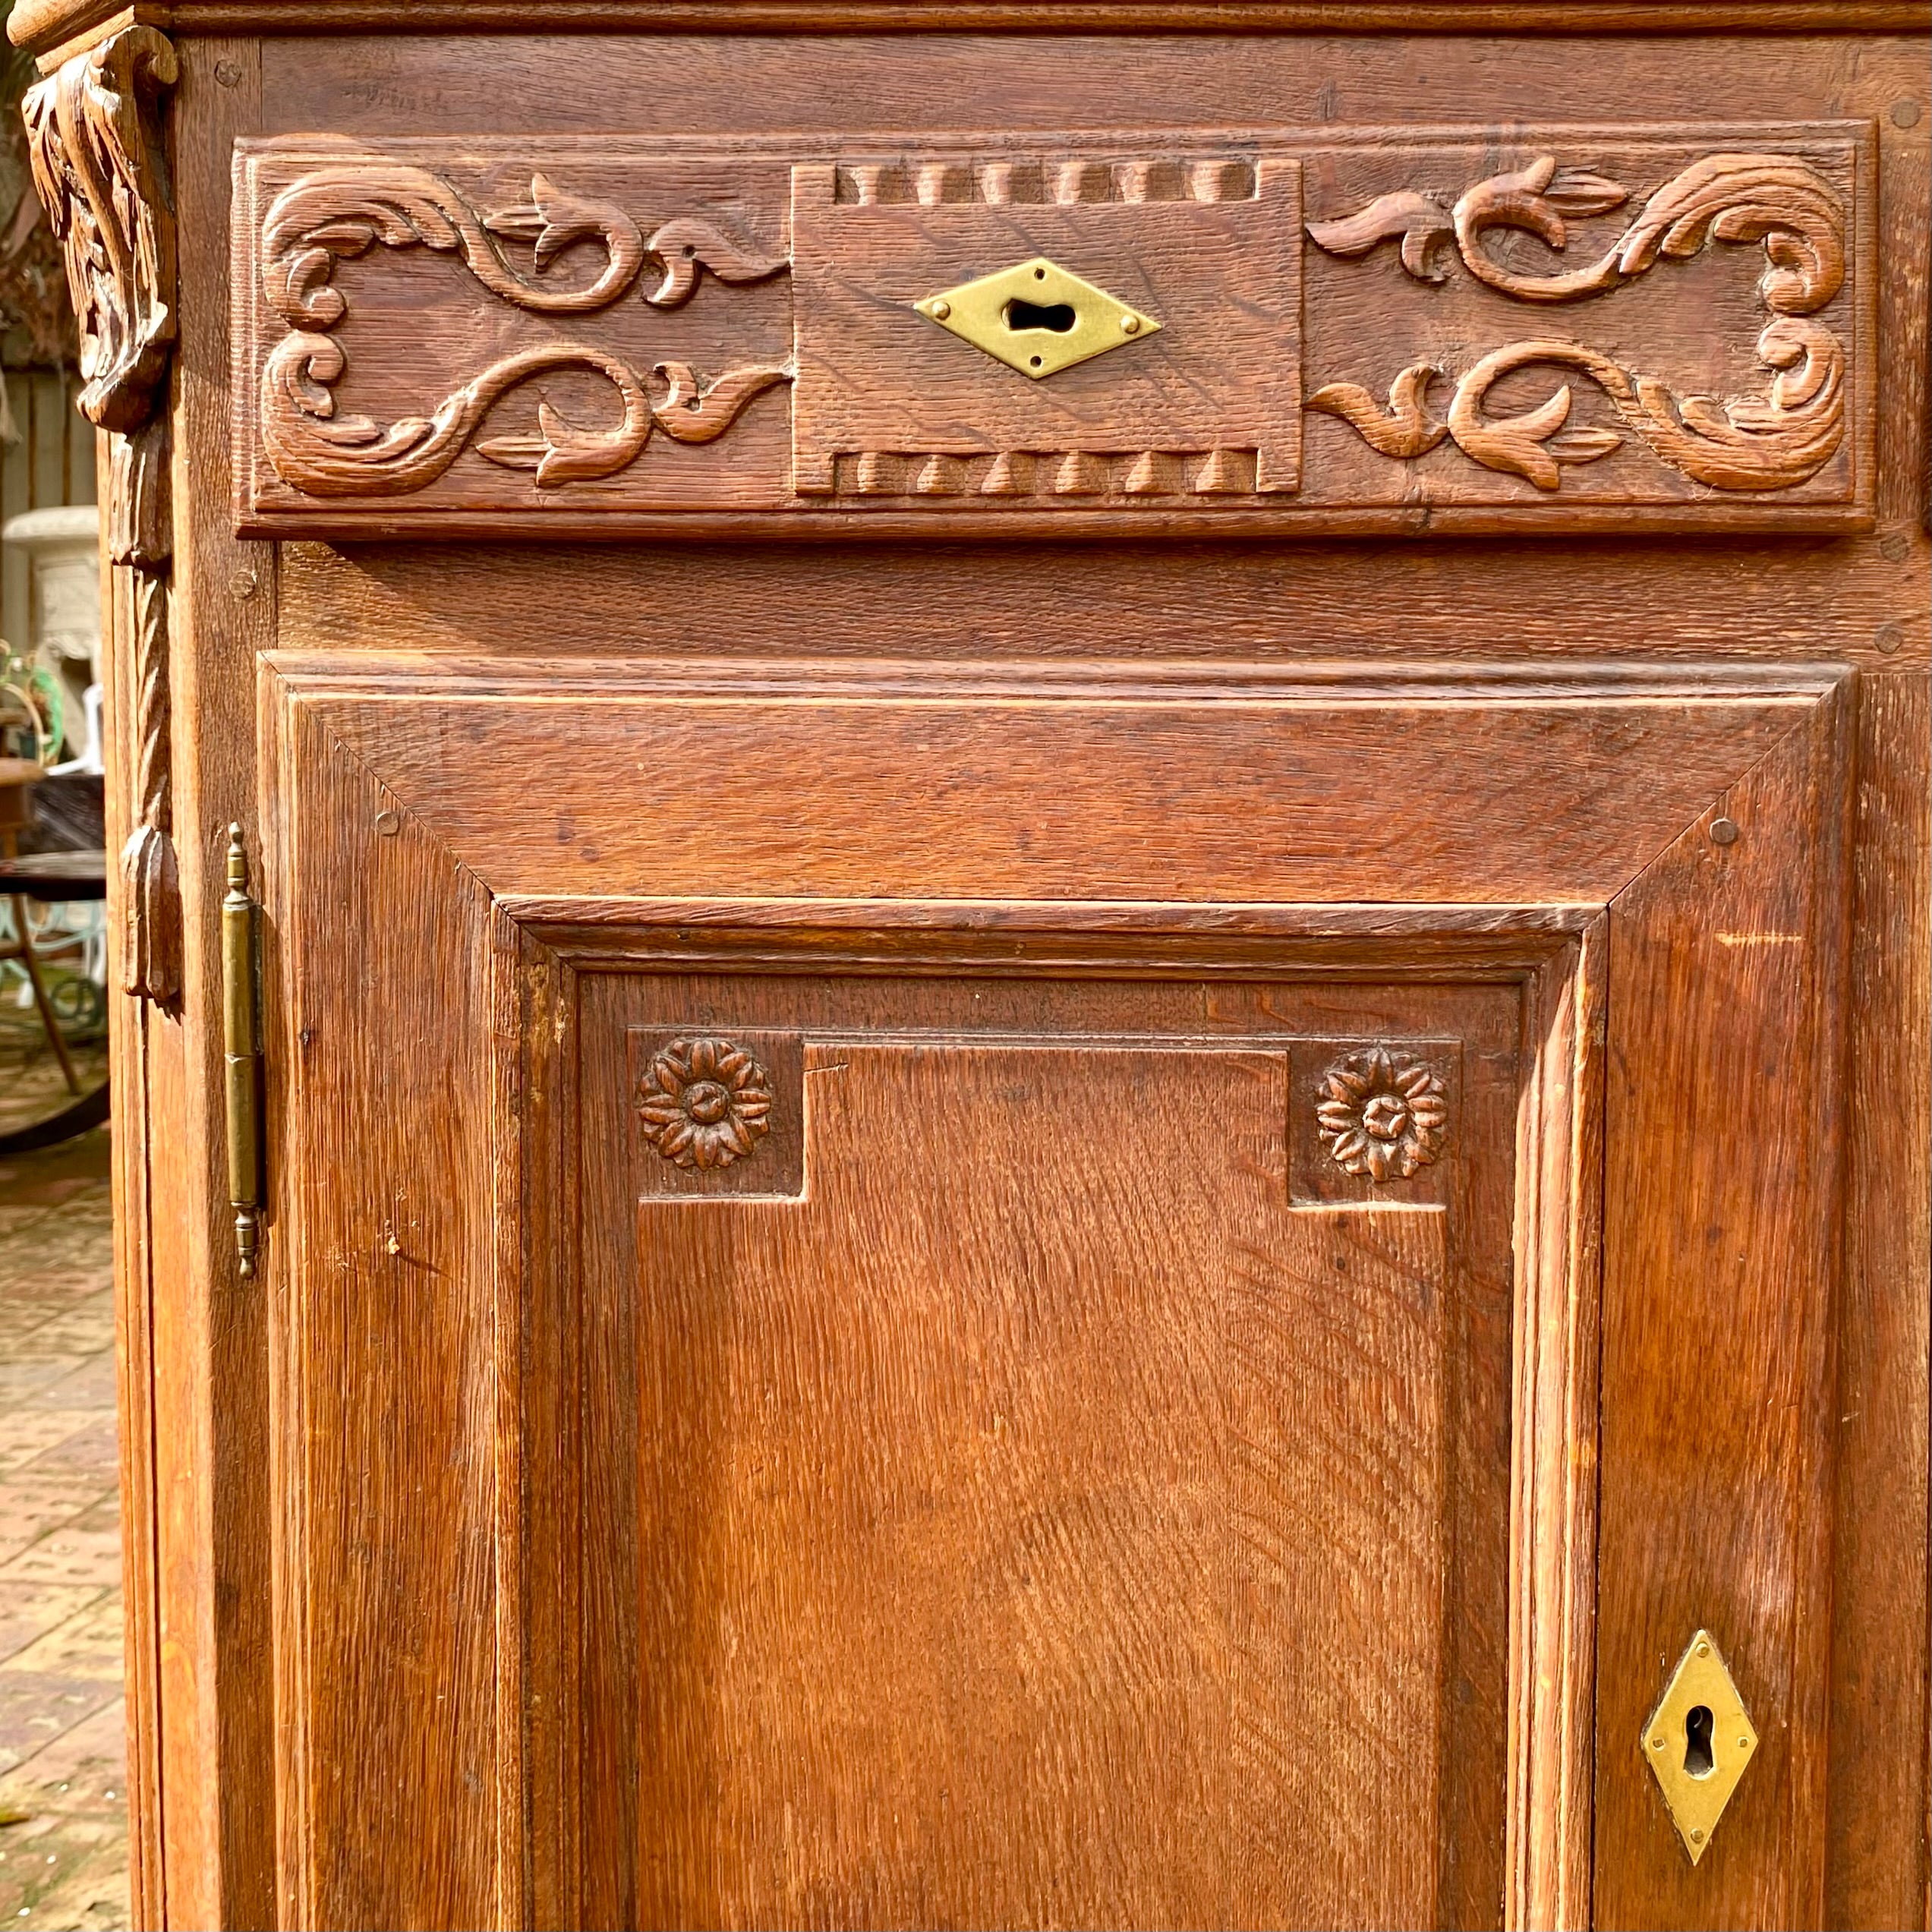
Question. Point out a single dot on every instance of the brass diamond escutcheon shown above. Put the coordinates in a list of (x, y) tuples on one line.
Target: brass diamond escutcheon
[(1037, 317), (1698, 1743)]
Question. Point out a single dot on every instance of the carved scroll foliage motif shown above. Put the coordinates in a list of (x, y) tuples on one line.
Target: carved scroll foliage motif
[(100, 175), (336, 213), (99, 171), (1769, 442)]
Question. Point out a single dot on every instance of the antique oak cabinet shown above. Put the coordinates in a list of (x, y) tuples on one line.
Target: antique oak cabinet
[(1023, 992)]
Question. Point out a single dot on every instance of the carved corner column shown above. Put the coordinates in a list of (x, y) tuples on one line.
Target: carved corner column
[(101, 172)]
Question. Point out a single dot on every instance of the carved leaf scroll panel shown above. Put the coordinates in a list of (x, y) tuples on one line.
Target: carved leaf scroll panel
[(1774, 442), (468, 335), (335, 214)]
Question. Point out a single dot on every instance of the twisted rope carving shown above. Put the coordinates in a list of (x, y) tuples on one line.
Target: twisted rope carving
[(155, 770), (151, 904)]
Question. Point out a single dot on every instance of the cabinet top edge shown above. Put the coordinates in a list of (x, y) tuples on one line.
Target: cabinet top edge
[(50, 27)]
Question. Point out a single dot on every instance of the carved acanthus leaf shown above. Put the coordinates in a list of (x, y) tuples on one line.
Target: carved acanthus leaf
[(551, 222), (101, 172), (331, 455), (694, 411), (1771, 441), (101, 175), (140, 505), (336, 213), (1406, 430), (1422, 223), (1537, 199), (681, 247)]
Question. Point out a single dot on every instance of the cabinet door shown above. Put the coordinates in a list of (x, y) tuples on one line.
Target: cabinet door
[(939, 1296)]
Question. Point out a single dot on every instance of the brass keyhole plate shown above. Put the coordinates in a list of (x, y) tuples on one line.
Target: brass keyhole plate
[(1698, 1743), (991, 314)]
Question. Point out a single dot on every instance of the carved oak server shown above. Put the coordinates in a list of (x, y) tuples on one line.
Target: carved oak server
[(1203, 1200)]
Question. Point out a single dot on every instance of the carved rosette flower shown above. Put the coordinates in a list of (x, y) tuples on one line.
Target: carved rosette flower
[(1382, 1114), (704, 1103)]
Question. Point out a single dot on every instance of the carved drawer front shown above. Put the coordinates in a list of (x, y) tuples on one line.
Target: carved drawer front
[(1199, 249), (1230, 330)]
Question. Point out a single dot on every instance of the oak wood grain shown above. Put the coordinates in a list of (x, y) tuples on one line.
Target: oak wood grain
[(1717, 1375), (1125, 795), (491, 608), (43, 25), (1009, 1389), (1020, 84), (218, 1794), (388, 1737), (133, 1139), (372, 88), (1879, 1864), (459, 389), (356, 712), (1558, 1240)]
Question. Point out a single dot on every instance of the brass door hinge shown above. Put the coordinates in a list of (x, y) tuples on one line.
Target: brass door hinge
[(241, 1042)]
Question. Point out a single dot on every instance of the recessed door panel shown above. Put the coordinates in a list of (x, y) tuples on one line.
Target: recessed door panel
[(1014, 1505)]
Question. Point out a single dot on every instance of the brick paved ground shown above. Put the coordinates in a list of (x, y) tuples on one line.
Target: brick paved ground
[(63, 1846)]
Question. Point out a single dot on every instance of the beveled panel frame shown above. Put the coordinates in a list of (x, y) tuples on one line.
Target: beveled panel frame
[(1655, 961), (1551, 955)]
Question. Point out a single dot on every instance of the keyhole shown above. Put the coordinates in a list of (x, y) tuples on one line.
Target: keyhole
[(1059, 318), (1698, 1762)]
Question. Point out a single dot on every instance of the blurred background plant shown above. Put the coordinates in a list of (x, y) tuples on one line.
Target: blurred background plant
[(46, 449), (63, 1824), (49, 636), (31, 724)]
